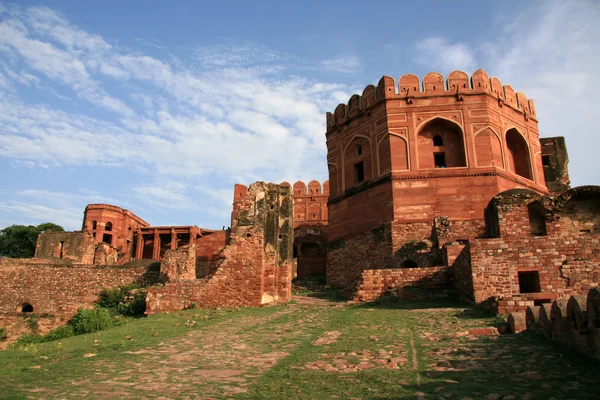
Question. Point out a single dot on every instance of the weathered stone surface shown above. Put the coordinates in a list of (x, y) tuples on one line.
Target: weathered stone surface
[(254, 269), (179, 264)]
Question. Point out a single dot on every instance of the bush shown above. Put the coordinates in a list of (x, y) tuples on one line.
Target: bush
[(59, 333), (29, 339), (126, 300), (3, 335), (88, 321)]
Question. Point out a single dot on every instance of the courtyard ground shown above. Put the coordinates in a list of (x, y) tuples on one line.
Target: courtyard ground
[(314, 348)]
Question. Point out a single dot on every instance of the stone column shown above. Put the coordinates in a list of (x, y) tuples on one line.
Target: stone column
[(156, 246), (173, 239), (139, 247)]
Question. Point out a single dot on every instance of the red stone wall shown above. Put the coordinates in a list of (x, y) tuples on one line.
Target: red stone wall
[(375, 282), (208, 249), (254, 269), (61, 289)]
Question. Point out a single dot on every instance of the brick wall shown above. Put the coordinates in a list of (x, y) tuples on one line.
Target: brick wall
[(61, 289), (375, 282), (254, 269)]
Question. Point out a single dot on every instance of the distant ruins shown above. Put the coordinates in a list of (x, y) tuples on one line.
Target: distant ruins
[(439, 184)]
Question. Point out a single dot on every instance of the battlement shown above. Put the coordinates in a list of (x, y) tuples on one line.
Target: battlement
[(300, 189), (410, 87)]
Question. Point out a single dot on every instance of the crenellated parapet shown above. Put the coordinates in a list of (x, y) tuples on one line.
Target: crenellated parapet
[(314, 188), (410, 88), (574, 322)]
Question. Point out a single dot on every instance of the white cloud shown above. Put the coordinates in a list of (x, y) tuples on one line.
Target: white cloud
[(342, 64), (439, 53)]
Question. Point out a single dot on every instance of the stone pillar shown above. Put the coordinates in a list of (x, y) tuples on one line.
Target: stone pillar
[(173, 239), (139, 249), (156, 246)]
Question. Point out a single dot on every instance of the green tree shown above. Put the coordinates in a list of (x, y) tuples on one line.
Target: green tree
[(18, 241)]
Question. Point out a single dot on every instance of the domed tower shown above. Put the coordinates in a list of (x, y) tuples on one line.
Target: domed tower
[(401, 156)]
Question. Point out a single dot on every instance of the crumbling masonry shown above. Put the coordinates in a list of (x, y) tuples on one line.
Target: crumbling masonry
[(436, 184)]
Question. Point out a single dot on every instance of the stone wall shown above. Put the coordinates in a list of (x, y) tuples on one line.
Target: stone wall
[(573, 321), (52, 288), (254, 269), (75, 247), (208, 248), (375, 282), (539, 249)]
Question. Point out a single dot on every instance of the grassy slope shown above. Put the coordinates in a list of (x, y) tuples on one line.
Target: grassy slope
[(270, 353)]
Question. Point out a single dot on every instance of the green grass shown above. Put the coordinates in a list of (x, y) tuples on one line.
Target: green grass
[(301, 352)]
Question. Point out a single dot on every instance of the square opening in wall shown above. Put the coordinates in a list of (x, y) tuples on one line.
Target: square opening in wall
[(439, 160), (546, 161), (529, 282)]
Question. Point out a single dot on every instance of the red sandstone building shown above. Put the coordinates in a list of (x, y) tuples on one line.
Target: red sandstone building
[(441, 184)]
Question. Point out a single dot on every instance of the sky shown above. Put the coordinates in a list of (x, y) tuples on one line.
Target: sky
[(161, 107)]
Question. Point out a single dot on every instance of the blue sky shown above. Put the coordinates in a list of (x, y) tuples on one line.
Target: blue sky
[(160, 107)]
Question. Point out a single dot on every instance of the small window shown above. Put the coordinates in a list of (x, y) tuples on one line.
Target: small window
[(439, 160), (359, 172), (108, 226), (529, 282), (546, 161), (438, 141), (358, 150), (107, 238), (94, 224)]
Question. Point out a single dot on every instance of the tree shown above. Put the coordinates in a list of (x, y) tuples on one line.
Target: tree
[(19, 241)]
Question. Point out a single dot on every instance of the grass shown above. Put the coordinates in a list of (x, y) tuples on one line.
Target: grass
[(299, 351), (314, 286)]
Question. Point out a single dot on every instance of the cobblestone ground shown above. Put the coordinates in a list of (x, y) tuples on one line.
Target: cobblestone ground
[(306, 350)]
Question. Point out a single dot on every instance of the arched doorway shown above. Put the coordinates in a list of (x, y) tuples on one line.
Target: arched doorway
[(25, 308)]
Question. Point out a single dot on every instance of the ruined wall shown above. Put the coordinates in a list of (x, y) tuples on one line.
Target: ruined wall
[(76, 247), (61, 289), (254, 269), (541, 248), (375, 282), (178, 264), (555, 161), (208, 249), (573, 321)]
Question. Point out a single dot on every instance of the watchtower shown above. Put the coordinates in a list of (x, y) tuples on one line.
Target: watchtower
[(401, 155)]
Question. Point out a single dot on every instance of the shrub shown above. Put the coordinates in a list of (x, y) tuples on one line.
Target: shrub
[(59, 333), (126, 300), (3, 335), (29, 339), (88, 321)]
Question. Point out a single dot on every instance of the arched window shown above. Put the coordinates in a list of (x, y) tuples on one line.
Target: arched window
[(518, 154), (441, 145), (408, 264), (108, 226), (358, 150), (26, 307)]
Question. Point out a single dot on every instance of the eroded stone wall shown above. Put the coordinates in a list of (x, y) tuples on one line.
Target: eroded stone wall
[(375, 282), (254, 269), (75, 247), (52, 288)]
